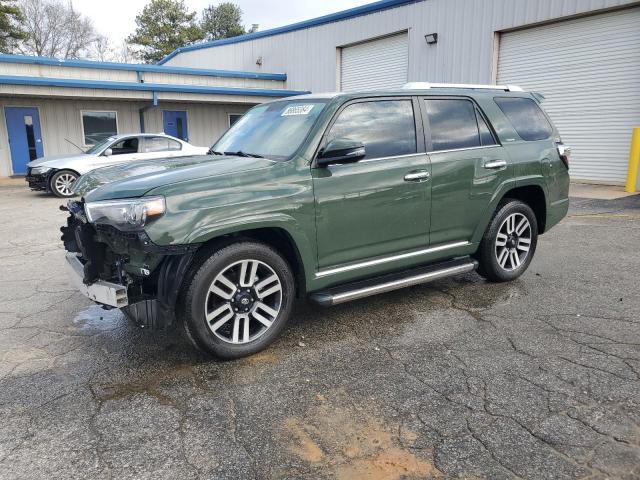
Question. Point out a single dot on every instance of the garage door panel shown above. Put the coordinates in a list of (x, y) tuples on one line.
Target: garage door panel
[(378, 64), (589, 71)]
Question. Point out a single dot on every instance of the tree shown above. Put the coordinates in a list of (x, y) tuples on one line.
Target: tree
[(55, 29), (163, 26), (10, 30), (222, 21)]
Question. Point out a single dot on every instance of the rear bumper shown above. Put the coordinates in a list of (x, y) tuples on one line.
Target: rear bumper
[(105, 293), (557, 211)]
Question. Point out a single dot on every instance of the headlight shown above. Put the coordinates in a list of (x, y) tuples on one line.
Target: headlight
[(39, 170), (127, 214)]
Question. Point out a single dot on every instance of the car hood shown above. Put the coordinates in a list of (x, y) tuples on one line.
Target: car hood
[(136, 178), (52, 160)]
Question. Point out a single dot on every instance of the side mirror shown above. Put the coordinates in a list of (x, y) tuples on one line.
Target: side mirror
[(341, 150), (108, 152)]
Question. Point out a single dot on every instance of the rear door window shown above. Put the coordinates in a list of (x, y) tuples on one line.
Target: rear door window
[(453, 124), (156, 144), (386, 127), (526, 117)]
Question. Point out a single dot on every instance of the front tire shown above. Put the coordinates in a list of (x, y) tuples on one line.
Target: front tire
[(508, 245), (237, 301), (61, 183)]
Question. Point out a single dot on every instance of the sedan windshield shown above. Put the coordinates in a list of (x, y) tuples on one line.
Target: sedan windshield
[(273, 130), (100, 145)]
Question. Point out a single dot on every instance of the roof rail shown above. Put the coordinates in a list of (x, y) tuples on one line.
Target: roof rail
[(427, 86)]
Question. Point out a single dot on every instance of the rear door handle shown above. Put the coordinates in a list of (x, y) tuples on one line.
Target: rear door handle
[(417, 176), (495, 164)]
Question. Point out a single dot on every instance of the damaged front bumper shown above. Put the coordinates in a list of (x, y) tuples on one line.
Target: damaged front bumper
[(125, 270), (37, 182), (100, 291)]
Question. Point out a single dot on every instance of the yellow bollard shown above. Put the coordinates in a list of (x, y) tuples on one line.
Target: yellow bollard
[(634, 161)]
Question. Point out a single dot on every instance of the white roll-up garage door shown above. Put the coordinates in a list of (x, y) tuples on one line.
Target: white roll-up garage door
[(375, 65), (589, 71)]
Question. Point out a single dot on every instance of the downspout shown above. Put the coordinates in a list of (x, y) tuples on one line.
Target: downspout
[(142, 110), (154, 102)]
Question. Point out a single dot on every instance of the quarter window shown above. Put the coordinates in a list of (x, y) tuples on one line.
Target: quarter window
[(97, 126), (526, 117), (385, 127), (453, 124)]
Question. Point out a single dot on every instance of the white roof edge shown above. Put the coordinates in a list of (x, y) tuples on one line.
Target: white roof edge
[(428, 85)]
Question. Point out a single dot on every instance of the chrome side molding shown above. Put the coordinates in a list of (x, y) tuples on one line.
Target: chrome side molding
[(392, 258)]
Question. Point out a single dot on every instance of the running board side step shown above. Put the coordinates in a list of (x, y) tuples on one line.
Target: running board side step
[(394, 281)]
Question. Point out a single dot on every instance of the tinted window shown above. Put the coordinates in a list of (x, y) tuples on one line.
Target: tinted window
[(526, 117), (98, 125), (128, 145), (453, 124), (486, 136), (233, 118), (385, 127)]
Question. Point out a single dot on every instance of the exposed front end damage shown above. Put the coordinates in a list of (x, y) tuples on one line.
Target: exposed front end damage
[(125, 270)]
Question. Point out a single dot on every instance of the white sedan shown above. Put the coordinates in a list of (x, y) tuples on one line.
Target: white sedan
[(57, 174)]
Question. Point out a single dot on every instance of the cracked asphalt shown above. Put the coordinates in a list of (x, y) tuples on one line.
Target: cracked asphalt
[(538, 378)]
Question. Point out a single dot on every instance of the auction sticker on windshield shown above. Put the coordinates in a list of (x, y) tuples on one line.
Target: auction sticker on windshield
[(297, 110)]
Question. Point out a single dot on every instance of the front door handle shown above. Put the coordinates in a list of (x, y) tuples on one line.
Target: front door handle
[(495, 164), (417, 176)]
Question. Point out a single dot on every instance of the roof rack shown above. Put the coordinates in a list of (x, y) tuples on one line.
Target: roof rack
[(427, 86)]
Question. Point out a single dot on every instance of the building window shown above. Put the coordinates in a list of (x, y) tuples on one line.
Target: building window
[(97, 126), (233, 118)]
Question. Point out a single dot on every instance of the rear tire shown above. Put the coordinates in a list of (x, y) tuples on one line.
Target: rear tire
[(61, 183), (236, 301), (508, 245)]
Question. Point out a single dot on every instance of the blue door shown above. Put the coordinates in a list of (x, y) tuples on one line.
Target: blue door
[(175, 124), (25, 141)]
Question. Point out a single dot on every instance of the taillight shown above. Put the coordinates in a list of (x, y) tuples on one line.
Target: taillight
[(564, 152)]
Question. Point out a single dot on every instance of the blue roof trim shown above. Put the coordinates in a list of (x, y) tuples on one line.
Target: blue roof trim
[(147, 87), (333, 17), (138, 67)]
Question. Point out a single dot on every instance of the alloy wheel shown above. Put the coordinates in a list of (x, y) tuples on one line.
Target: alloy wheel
[(243, 301), (513, 241), (64, 184)]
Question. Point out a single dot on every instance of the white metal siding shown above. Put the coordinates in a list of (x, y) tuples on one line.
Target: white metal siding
[(463, 54), (589, 71), (378, 64), (60, 119)]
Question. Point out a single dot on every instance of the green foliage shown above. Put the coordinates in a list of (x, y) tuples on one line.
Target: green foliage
[(163, 26), (222, 21), (10, 30)]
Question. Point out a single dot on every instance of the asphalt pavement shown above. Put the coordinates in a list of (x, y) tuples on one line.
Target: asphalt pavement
[(538, 378)]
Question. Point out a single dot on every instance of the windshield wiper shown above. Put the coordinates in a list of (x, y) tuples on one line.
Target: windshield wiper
[(240, 153), (211, 151)]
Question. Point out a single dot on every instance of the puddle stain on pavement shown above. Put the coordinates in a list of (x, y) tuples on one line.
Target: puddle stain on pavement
[(353, 445)]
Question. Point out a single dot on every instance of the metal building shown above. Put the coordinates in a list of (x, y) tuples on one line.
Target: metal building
[(583, 55), (52, 107)]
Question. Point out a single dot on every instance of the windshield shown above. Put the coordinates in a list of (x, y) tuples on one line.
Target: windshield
[(273, 130), (99, 146)]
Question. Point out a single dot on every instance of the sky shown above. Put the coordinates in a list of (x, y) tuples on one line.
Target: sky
[(116, 18)]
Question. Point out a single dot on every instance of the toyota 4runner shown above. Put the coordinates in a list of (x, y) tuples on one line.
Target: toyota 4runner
[(330, 197)]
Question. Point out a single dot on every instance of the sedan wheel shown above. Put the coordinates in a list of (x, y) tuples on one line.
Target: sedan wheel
[(62, 183)]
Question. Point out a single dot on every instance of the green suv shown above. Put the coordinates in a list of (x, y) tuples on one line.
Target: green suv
[(329, 197)]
